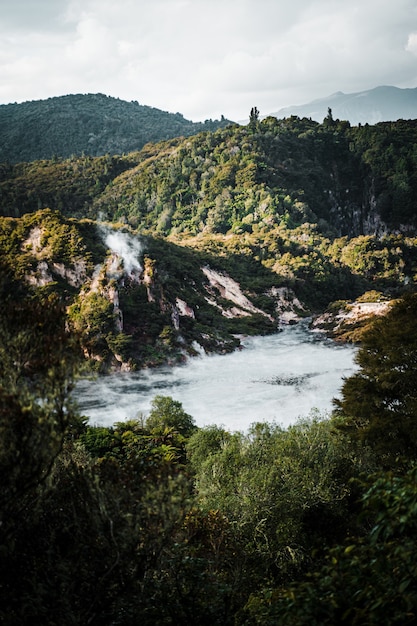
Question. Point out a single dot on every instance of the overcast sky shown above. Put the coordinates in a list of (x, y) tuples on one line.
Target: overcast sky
[(205, 58)]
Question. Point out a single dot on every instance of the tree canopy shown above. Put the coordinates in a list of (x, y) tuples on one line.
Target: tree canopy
[(379, 402)]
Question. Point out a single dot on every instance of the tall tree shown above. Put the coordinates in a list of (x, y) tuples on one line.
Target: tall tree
[(253, 118), (167, 413), (37, 365), (379, 402)]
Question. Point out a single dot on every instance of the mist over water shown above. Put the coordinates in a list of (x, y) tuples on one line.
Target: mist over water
[(275, 378)]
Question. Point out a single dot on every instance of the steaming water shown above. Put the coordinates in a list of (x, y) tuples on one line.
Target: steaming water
[(275, 378)]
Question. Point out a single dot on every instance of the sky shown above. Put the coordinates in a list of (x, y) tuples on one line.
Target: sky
[(205, 58)]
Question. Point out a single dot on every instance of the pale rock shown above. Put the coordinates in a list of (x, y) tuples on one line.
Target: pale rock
[(287, 305), (183, 309), (229, 289)]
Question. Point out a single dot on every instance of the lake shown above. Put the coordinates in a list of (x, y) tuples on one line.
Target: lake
[(278, 377)]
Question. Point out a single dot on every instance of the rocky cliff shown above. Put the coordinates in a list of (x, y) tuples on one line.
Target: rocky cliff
[(138, 301)]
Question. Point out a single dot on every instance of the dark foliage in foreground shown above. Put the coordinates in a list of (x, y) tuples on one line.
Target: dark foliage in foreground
[(155, 521)]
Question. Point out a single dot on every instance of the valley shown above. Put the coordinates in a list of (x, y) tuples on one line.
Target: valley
[(201, 295)]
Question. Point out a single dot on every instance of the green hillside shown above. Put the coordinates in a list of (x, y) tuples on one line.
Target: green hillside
[(138, 300), (90, 124), (324, 211), (133, 300), (347, 180)]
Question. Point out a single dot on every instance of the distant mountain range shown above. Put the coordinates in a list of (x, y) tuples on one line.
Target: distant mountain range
[(382, 104), (89, 124)]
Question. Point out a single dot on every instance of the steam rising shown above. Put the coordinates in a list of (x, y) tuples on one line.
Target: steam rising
[(125, 246)]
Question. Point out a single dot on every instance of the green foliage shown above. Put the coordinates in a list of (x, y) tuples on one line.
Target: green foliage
[(286, 491), (68, 185), (204, 443), (253, 118), (168, 414), (92, 316), (379, 403), (120, 318), (149, 451), (388, 259), (388, 150), (158, 521), (37, 365), (69, 257), (369, 580), (271, 201), (291, 172), (38, 362), (155, 520)]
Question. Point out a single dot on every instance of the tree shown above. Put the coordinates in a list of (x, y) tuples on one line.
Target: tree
[(167, 413), (379, 402), (204, 443), (286, 492), (93, 317), (38, 360), (328, 120), (253, 118), (369, 580)]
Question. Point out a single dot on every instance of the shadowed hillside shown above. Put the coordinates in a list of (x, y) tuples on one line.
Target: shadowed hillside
[(91, 124)]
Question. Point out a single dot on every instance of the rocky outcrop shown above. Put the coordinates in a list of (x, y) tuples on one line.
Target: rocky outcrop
[(47, 269), (348, 320), (142, 304), (288, 307), (221, 284), (75, 275), (181, 309)]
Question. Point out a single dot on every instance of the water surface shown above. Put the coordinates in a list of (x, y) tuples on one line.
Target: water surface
[(277, 378)]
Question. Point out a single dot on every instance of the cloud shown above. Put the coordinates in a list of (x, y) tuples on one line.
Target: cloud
[(27, 15), (205, 58), (412, 43), (91, 45)]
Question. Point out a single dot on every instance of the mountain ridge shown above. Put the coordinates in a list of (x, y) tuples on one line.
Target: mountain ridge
[(349, 180), (383, 103), (87, 124), (97, 124)]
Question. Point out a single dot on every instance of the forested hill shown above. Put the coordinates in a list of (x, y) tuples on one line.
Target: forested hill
[(346, 180), (292, 215), (91, 124)]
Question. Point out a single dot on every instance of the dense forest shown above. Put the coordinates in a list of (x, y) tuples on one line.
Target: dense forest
[(90, 124), (347, 180), (297, 214), (132, 260)]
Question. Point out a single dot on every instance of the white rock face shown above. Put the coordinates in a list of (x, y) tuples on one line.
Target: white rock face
[(287, 305), (183, 309), (34, 240), (229, 289), (41, 277), (366, 309), (75, 275), (351, 315)]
